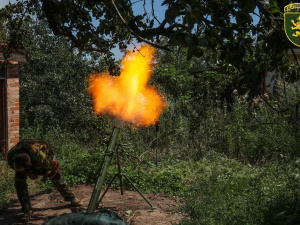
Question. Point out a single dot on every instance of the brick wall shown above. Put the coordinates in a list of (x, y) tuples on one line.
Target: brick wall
[(9, 91), (13, 104)]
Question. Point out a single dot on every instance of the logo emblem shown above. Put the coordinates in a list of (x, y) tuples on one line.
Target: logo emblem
[(292, 23)]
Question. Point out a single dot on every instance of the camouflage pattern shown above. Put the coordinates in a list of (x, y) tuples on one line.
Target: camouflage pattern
[(39, 151), (22, 191), (41, 158), (61, 185)]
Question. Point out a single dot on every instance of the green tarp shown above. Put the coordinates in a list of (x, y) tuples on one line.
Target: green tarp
[(103, 217)]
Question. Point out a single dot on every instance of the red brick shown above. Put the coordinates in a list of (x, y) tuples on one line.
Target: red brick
[(13, 94), (13, 98), (14, 108), (12, 75), (13, 128), (11, 102), (12, 89), (15, 84), (14, 120), (12, 80), (9, 89), (13, 132), (14, 112), (12, 136), (13, 116), (14, 140), (12, 71), (13, 124)]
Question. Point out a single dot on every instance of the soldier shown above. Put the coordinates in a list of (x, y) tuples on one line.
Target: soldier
[(32, 158)]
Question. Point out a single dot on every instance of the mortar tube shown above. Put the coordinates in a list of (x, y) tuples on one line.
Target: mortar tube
[(106, 162)]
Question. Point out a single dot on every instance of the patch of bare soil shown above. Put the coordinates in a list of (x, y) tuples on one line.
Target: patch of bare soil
[(130, 206)]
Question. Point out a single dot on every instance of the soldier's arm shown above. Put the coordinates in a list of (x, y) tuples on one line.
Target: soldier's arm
[(31, 174)]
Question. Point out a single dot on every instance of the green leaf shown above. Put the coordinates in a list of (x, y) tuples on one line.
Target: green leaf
[(171, 14), (175, 41), (243, 18), (188, 8), (203, 42), (151, 23), (249, 7), (198, 52), (191, 41), (190, 21), (168, 15), (273, 7), (190, 52), (246, 6)]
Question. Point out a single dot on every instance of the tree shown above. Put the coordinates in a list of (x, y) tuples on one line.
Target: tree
[(241, 45), (53, 85)]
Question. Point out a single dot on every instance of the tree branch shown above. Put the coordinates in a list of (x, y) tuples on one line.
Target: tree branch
[(276, 110), (134, 33), (270, 16), (152, 5), (297, 110), (204, 70)]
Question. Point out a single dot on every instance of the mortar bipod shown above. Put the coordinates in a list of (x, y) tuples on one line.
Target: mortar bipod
[(120, 175)]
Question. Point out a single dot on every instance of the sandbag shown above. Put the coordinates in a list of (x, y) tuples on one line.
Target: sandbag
[(103, 217)]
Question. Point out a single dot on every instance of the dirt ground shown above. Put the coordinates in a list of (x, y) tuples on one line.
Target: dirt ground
[(130, 206)]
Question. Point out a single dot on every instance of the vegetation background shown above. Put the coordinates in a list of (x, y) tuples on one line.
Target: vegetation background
[(225, 149)]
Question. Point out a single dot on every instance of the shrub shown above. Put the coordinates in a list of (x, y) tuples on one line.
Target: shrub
[(6, 184), (232, 193)]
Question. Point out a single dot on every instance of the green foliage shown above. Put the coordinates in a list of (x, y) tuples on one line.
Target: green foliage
[(74, 163), (227, 192), (6, 184), (3, 32), (253, 131), (242, 34), (80, 165), (54, 83), (233, 162), (166, 178)]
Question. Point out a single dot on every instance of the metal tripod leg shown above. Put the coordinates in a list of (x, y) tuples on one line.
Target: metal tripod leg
[(119, 171), (120, 175), (152, 207), (110, 183)]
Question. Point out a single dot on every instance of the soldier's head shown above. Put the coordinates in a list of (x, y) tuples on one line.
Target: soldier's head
[(22, 162)]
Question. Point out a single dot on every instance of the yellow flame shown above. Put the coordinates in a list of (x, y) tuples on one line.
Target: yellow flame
[(128, 96)]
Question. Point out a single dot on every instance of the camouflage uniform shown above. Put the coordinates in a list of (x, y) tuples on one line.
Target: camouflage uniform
[(41, 157)]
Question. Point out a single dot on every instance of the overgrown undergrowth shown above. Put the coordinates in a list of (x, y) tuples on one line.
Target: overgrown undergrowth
[(228, 167), (216, 189)]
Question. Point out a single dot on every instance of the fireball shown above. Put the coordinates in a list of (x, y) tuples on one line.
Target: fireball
[(129, 97)]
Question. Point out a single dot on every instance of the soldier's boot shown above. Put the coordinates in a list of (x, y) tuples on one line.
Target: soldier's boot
[(26, 216), (76, 202)]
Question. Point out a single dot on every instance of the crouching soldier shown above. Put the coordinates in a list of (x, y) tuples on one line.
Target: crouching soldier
[(32, 158)]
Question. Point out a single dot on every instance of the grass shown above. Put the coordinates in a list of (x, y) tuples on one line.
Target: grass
[(217, 190), (6, 184)]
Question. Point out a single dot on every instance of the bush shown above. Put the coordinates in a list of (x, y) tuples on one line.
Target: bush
[(228, 192), (166, 178), (6, 184)]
